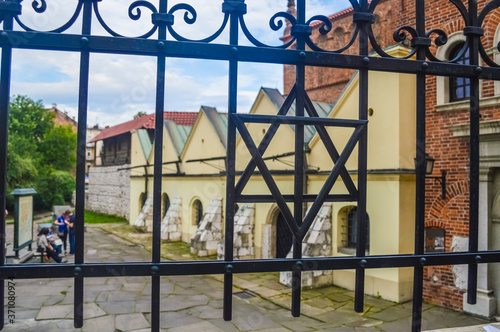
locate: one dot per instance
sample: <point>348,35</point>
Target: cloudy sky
<point>121,86</point>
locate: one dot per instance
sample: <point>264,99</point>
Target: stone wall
<point>244,225</point>
<point>109,191</point>
<point>209,232</point>
<point>144,221</point>
<point>171,226</point>
<point>317,243</point>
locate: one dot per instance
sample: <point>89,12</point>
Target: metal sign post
<point>23,219</point>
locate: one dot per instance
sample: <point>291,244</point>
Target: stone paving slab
<point>477,328</point>
<point>191,303</point>
<point>131,322</point>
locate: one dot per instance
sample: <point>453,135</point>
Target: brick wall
<point>325,84</point>
<point>451,154</point>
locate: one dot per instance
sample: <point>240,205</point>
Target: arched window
<point>352,229</point>
<point>434,239</point>
<point>165,204</point>
<point>142,201</point>
<point>459,86</point>
<point>197,212</point>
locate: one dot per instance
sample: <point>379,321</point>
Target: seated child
<point>44,243</point>
<point>54,240</point>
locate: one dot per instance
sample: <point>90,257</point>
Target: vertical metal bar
<point>157,176</point>
<point>299,163</point>
<point>230,162</point>
<point>474,156</point>
<point>83,97</point>
<point>362,167</point>
<point>418,271</point>
<point>5,76</point>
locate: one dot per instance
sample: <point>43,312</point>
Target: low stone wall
<point>317,243</point>
<point>144,221</point>
<point>209,232</point>
<point>109,191</point>
<point>244,224</point>
<point>171,226</point>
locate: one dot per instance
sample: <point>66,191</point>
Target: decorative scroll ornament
<point>363,17</point>
<point>40,6</point>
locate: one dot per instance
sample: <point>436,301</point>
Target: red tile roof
<point>146,122</point>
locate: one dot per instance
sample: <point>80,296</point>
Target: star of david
<point>299,229</point>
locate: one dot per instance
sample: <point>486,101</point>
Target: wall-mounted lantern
<point>429,168</point>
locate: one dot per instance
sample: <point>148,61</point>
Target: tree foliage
<point>54,148</point>
<point>40,154</point>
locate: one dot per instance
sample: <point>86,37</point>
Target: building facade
<point>194,175</point>
<point>447,113</point>
<point>193,188</point>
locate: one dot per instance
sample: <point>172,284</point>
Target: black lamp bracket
<point>442,180</point>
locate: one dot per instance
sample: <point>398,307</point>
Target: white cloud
<point>120,86</point>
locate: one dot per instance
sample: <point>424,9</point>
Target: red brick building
<point>447,220</point>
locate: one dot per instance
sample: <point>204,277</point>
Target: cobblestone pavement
<point>194,303</point>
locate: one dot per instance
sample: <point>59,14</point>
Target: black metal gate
<point>304,53</point>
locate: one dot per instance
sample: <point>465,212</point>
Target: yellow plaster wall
<point>393,105</point>
<point>203,143</point>
<point>169,155</point>
<point>137,155</point>
<point>407,121</point>
<point>390,208</point>
<point>189,189</point>
<point>136,184</point>
<point>283,141</point>
<point>136,188</point>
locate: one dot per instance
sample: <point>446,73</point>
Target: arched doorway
<point>284,237</point>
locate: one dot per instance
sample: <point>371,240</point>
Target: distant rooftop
<point>146,122</point>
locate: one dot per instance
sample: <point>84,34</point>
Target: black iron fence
<point>162,41</point>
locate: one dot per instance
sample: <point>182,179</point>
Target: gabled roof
<point>146,122</point>
<point>323,110</point>
<point>178,135</point>
<point>219,123</point>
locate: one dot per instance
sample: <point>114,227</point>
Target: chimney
<point>292,11</point>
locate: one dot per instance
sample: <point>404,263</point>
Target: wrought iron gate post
<point>235,9</point>
<point>9,10</point>
<point>473,32</point>
<point>301,30</point>
<point>363,19</point>
<point>83,98</point>
<point>418,271</point>
<point>161,20</point>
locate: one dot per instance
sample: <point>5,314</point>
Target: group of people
<point>52,245</point>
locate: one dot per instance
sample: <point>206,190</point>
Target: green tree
<point>58,148</point>
<point>28,123</point>
<point>40,154</point>
<point>139,114</point>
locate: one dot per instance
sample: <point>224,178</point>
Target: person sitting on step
<point>44,243</point>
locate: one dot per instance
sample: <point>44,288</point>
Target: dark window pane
<point>434,240</point>
<point>459,86</point>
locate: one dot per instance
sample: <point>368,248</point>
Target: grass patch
<point>64,292</point>
<point>101,218</point>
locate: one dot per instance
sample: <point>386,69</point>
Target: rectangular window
<point>435,240</point>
